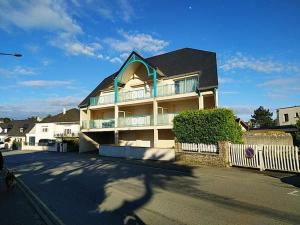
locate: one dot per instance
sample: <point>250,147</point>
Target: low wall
<point>220,159</point>
<point>267,138</point>
<point>38,148</point>
<point>131,152</point>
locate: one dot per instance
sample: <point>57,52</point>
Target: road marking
<point>293,193</point>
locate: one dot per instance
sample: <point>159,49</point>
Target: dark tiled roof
<point>178,62</point>
<point>15,125</point>
<point>71,115</point>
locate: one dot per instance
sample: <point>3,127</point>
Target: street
<point>84,189</point>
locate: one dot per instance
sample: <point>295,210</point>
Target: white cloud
<point>44,83</point>
<point>49,15</point>
<point>136,41</point>
<point>17,71</point>
<point>225,80</point>
<point>126,10</point>
<point>229,92</point>
<point>240,61</point>
<point>32,107</point>
<point>115,60</point>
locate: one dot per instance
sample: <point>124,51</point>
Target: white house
<point>60,126</point>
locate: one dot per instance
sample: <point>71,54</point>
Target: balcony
<point>179,87</point>
<point>61,135</point>
<point>98,124</point>
<point>135,95</point>
<point>102,100</point>
<point>165,119</point>
<point>136,121</point>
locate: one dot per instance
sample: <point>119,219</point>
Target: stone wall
<point>267,138</point>
<point>220,159</point>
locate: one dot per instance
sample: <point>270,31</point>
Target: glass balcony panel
<point>102,100</point>
<point>98,124</point>
<point>136,121</point>
<point>134,95</point>
<point>179,87</point>
<point>166,119</point>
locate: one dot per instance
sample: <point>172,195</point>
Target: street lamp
<point>14,54</point>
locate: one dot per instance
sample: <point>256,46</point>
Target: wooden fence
<point>192,147</point>
<point>271,157</point>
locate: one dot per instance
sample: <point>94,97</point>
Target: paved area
<point>15,208</point>
<point>83,189</point>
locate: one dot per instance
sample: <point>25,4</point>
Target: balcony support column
<point>116,116</point>
<point>154,112</point>
<point>216,97</point>
<point>201,101</point>
<point>155,139</point>
<point>116,137</point>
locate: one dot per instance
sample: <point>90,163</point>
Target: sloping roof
<point>15,125</point>
<point>178,62</point>
<point>71,115</point>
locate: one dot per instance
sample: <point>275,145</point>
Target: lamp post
<point>14,54</point>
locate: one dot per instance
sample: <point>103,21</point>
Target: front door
<point>32,141</point>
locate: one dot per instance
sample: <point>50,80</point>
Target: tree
<point>5,120</point>
<point>262,118</point>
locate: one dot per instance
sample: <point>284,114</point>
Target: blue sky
<point>68,47</point>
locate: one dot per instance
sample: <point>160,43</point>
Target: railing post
<point>260,158</point>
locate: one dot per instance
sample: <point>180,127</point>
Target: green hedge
<point>207,126</point>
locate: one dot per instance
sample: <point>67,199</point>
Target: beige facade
<point>137,107</point>
<point>288,115</point>
<point>145,122</point>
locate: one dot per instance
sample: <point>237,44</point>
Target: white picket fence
<point>271,157</point>
<point>192,147</point>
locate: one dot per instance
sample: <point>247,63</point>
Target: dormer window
<point>21,130</point>
<point>5,130</point>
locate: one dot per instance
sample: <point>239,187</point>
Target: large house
<point>135,105</point>
<point>58,127</point>
<point>288,115</point>
<point>15,130</point>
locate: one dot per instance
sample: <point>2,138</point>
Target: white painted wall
<point>52,129</point>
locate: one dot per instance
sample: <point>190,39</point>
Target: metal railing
<point>166,119</point>
<point>136,121</point>
<point>73,134</point>
<point>98,124</point>
<point>102,100</point>
<point>179,87</point>
<point>135,95</point>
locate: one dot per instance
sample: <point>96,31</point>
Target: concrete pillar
<point>116,116</point>
<point>201,101</point>
<point>223,147</point>
<point>216,97</point>
<point>116,137</point>
<point>155,141</point>
<point>154,112</point>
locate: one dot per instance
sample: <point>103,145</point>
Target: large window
<point>44,129</point>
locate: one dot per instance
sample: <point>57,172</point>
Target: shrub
<point>207,126</point>
<point>16,145</point>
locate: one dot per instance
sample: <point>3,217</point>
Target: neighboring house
<point>288,115</point>
<point>60,126</point>
<point>243,124</point>
<point>16,130</point>
<point>136,105</point>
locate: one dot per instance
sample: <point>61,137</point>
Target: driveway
<point>84,189</point>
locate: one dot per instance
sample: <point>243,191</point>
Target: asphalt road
<point>83,189</point>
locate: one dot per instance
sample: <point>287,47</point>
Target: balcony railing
<point>179,87</point>
<point>102,100</point>
<point>98,124</point>
<point>166,119</point>
<point>135,95</point>
<point>73,134</point>
<point>136,121</point>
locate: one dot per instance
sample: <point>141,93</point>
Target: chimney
<point>64,110</point>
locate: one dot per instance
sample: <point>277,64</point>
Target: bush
<point>16,145</point>
<point>207,126</point>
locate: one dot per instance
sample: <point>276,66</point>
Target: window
<point>286,117</point>
<point>44,129</point>
<point>68,131</point>
<point>21,130</point>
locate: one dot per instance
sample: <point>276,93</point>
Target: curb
<point>45,213</point>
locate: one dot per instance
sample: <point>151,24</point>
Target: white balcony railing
<point>136,121</point>
<point>98,124</point>
<point>73,134</point>
<point>135,95</point>
<point>166,119</point>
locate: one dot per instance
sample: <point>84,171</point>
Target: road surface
<point>84,189</point>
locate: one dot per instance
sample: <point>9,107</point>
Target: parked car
<point>46,142</point>
<point>2,145</point>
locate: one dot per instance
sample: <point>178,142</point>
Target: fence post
<point>260,158</point>
<point>229,156</point>
<point>224,152</point>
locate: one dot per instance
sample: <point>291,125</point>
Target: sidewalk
<point>15,208</point>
